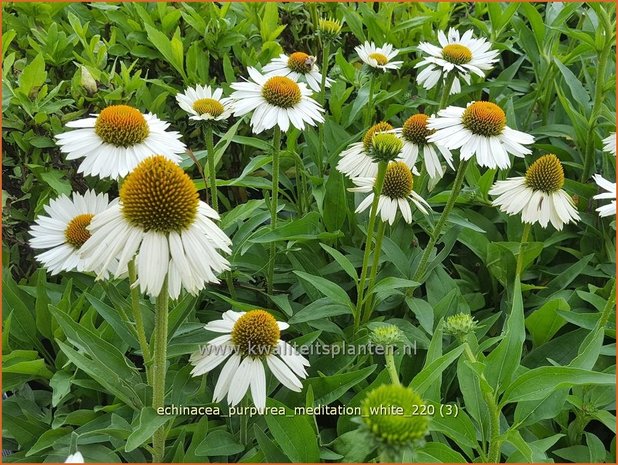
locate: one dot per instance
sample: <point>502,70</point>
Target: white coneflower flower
<point>609,144</point>
<point>460,55</point>
<point>300,67</point>
<point>481,130</point>
<point>205,104</point>
<point>378,57</point>
<point>65,230</point>
<point>355,160</point>
<point>276,100</point>
<point>396,193</point>
<point>414,134</point>
<point>250,340</point>
<point>610,187</point>
<point>77,457</point>
<point>161,220</point>
<point>538,195</point>
<point>116,140</point>
<point>358,160</point>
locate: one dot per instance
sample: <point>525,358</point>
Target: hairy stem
<point>212,174</point>
<point>377,189</point>
<point>274,205</point>
<point>457,184</point>
<point>159,368</point>
<point>139,322</point>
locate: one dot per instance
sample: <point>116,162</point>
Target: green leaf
<point>354,447</point>
<point>422,311</point>
<point>326,287</point>
<point>539,382</point>
<point>33,76</point>
<point>42,315</point>
<point>168,48</point>
<point>502,362</point>
<point>148,422</point>
<point>219,442</point>
<point>112,316</point>
<point>328,389</point>
<point>335,202</point>
<point>294,434</point>
<point>344,262</point>
<point>272,453</point>
<point>544,322</point>
<point>319,309</point>
<point>436,452</point>
<point>433,371</point>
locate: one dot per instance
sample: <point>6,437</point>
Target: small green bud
<point>329,28</point>
<point>459,325</point>
<point>386,336</point>
<point>391,412</point>
<point>385,147</point>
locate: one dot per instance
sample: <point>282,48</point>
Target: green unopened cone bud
<point>392,414</point>
<point>386,336</point>
<point>385,147</point>
<point>459,325</point>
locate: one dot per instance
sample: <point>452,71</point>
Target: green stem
<point>369,111</point>
<point>457,184</point>
<point>324,70</point>
<point>446,91</point>
<point>244,422</point>
<point>139,322</point>
<point>229,280</point>
<point>212,174</point>
<point>299,186</point>
<point>159,368</point>
<point>274,204</point>
<point>377,189</point>
<point>390,365</point>
<point>609,306</point>
<point>598,102</point>
<point>495,443</point>
<point>368,310</point>
<point>520,256</point>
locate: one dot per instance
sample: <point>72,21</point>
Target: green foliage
<point>540,361</point>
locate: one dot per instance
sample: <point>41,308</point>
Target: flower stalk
<point>159,368</point>
<point>389,355</point>
<point>274,205</point>
<point>368,309</point>
<point>139,322</point>
<point>212,174</point>
<point>522,246</point>
<point>369,111</point>
<point>446,90</point>
<point>370,227</point>
<point>457,184</point>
